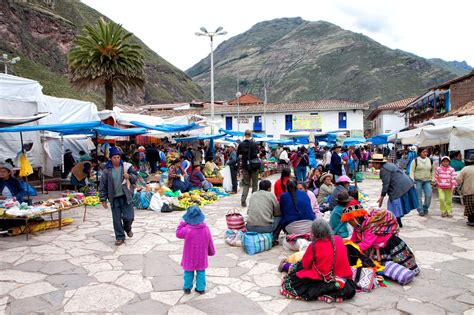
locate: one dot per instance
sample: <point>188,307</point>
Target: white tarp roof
<point>462,138</point>
<point>443,131</point>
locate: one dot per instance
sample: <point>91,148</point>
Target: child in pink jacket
<point>445,180</point>
<point>198,245</point>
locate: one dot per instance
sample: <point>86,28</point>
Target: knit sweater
<point>445,177</point>
<point>198,245</point>
<point>277,187</point>
<point>263,207</point>
<point>324,258</point>
<point>324,191</point>
<point>422,169</point>
<point>466,178</point>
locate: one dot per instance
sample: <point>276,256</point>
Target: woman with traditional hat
<point>10,186</point>
<point>399,187</point>
<point>326,188</point>
<point>339,227</point>
<point>323,273</point>
<point>376,234</point>
<point>336,162</point>
<point>342,184</point>
<point>466,179</point>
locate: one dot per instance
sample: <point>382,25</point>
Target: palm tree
<point>102,56</point>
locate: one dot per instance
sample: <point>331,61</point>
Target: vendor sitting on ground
<point>343,183</point>
<point>326,189</point>
<point>312,198</point>
<point>197,179</point>
<point>324,272</point>
<point>210,168</point>
<point>343,201</point>
<point>82,171</point>
<point>264,211</point>
<point>280,184</point>
<point>376,234</point>
<point>295,205</point>
<point>10,186</point>
<point>176,177</point>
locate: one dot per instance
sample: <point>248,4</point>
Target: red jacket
<point>277,187</point>
<point>324,258</point>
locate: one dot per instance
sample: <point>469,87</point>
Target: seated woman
<point>340,228</point>
<point>295,205</point>
<point>324,272</point>
<point>313,183</point>
<point>176,177</point>
<point>376,234</point>
<point>280,184</point>
<point>312,198</point>
<point>326,189</point>
<point>210,168</point>
<point>197,179</point>
<point>343,183</point>
<point>10,186</point>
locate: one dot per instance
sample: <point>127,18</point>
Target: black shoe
<point>243,204</point>
<point>119,242</point>
<point>130,233</point>
<point>187,291</point>
<point>200,292</point>
<point>421,214</point>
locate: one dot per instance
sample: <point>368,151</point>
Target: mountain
<point>298,60</point>
<point>459,67</point>
<point>41,32</point>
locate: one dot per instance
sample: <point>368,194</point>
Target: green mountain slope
<point>41,33</point>
<point>299,60</point>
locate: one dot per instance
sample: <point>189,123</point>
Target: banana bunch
<point>92,200</point>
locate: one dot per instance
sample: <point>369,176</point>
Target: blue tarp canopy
<point>84,128</point>
<point>239,133</point>
<point>281,141</point>
<point>208,137</point>
<point>168,127</point>
<point>379,139</point>
<point>354,141</point>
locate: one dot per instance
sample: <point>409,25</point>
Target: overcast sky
<point>430,29</point>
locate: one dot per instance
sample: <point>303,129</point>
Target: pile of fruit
<point>92,200</point>
<point>171,157</point>
<point>196,197</point>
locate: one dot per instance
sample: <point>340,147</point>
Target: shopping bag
<point>235,221</point>
<point>141,199</point>
<point>234,238</point>
<point>156,203</point>
<point>364,278</point>
<point>398,273</point>
<point>227,183</point>
<point>254,243</point>
<point>25,166</point>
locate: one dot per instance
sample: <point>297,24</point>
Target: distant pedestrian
<point>445,180</point>
<point>248,152</point>
<point>336,162</point>
<point>233,164</point>
<point>422,172</point>
<point>466,180</point>
<point>198,245</point>
<point>153,158</point>
<point>116,187</point>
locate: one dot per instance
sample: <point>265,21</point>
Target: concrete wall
<point>274,124</point>
<point>390,122</point>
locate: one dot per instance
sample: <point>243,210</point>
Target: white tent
<point>20,97</point>
<point>442,133</point>
<point>462,137</point>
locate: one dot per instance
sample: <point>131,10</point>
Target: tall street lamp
<point>217,32</point>
<point>6,61</point>
<point>238,95</point>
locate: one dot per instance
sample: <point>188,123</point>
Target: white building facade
<point>387,118</point>
<point>275,119</point>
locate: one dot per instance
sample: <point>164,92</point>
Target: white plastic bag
<point>227,183</point>
<point>156,203</point>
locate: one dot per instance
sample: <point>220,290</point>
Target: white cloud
<point>429,29</point>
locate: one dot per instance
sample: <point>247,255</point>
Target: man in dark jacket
<point>116,187</point>
<point>248,151</point>
<point>336,162</point>
<point>153,157</point>
<point>233,165</point>
<point>69,163</point>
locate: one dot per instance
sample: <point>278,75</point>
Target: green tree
<point>102,56</point>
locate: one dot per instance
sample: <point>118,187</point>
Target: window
<point>342,120</point>
<point>288,122</point>
<point>257,125</point>
<point>228,123</point>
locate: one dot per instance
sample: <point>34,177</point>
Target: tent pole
<point>26,177</point>
<point>97,156</point>
<point>62,154</point>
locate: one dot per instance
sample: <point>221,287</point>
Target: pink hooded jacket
<point>445,177</point>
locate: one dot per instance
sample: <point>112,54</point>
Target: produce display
<point>196,197</point>
<point>63,203</point>
<point>12,208</point>
<point>92,200</point>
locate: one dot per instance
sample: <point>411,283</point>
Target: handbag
<point>364,278</point>
<point>253,164</point>
<point>235,221</point>
<point>234,238</point>
<point>254,243</point>
<point>398,273</point>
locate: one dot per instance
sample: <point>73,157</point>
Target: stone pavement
<point>79,270</point>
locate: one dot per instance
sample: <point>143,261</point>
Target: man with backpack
<point>248,152</point>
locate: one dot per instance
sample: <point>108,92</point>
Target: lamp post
<point>217,32</point>
<point>238,95</point>
<point>6,61</point>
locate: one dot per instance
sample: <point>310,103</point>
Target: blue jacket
<point>15,188</point>
<point>289,213</point>
<point>336,164</point>
<point>106,186</point>
<point>338,227</point>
